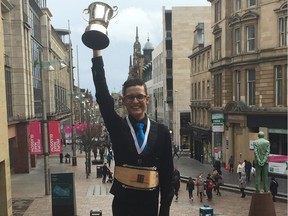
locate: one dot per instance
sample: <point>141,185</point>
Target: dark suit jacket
<point>158,151</point>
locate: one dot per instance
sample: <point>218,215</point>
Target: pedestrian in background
<point>248,167</point>
<point>209,187</point>
<point>231,164</point>
<point>105,172</point>
<point>239,169</point>
<point>273,188</point>
<point>200,186</point>
<point>61,157</point>
<point>190,187</point>
<point>176,182</point>
<point>218,181</point>
<point>175,151</point>
<point>109,158</point>
<point>242,184</point>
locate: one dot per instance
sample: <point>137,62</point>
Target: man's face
<point>136,101</point>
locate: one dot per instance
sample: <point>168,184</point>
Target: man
<point>105,172</point>
<point>261,153</point>
<point>175,150</point>
<point>231,164</point>
<point>273,188</point>
<point>176,182</point>
<point>141,171</point>
<point>248,167</point>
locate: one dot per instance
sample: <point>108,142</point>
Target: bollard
<point>95,213</point>
<point>99,171</point>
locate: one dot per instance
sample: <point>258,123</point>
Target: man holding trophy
<point>142,148</point>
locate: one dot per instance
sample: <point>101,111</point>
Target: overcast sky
<point>147,15</point>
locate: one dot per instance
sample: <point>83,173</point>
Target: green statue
<point>261,153</point>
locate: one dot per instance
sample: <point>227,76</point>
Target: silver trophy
<point>96,35</point>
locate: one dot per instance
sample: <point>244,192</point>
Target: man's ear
<point>123,99</point>
<point>148,99</point>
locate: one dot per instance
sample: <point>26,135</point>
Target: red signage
<point>55,146</point>
<point>35,138</point>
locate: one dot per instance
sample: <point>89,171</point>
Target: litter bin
<point>99,171</point>
<point>95,213</point>
<point>206,211</point>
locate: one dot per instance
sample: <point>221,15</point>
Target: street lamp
<point>71,83</point>
<point>48,65</point>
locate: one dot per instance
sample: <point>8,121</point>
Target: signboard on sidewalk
<point>63,194</point>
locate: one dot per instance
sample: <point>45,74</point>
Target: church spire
<point>137,37</point>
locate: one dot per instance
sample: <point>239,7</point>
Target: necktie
<point>140,133</point>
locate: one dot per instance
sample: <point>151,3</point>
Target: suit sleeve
<point>103,97</point>
<point>166,172</point>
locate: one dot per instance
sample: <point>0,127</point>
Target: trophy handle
<point>115,11</point>
<point>85,11</point>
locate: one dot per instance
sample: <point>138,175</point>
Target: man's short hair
<point>133,82</point>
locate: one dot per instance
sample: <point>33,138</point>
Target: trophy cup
<point>95,36</point>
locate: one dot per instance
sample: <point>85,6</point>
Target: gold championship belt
<point>134,177</point>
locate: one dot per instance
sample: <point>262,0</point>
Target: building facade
<point>5,175</point>
<point>178,26</point>
<point>200,125</point>
<point>249,76</point>
<point>38,64</point>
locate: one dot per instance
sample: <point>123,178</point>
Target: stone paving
<point>29,197</point>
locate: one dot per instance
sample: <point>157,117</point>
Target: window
<point>217,47</point>
<point>217,10</point>
<point>208,59</point>
<point>250,38</point>
<point>218,90</point>
<point>251,3</point>
<point>237,5</point>
<point>283,31</point>
<point>278,85</point>
<point>238,84</point>
<point>237,41</point>
<point>208,89</point>
<point>199,91</point>
<point>8,84</point>
<point>203,89</point>
<point>251,86</point>
<point>203,60</point>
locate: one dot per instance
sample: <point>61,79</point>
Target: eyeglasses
<point>139,97</point>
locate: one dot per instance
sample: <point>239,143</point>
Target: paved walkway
<point>29,197</point>
<point>191,167</point>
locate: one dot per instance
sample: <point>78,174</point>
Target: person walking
<point>273,188</point>
<point>109,158</point>
<point>239,169</point>
<point>231,164</point>
<point>242,184</point>
<point>190,187</point>
<point>105,172</point>
<point>200,186</point>
<point>175,151</point>
<point>176,182</point>
<point>248,167</point>
<point>141,147</point>
<point>218,181</point>
<point>209,187</point>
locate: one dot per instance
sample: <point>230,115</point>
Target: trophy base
<point>95,40</point>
